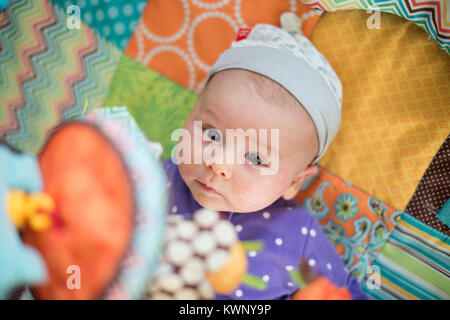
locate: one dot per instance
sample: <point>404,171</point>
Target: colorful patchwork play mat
<point>383,188</point>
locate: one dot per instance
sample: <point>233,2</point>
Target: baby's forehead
<point>244,99</point>
<point>253,85</point>
<point>245,94</point>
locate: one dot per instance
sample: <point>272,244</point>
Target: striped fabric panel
<point>414,263</point>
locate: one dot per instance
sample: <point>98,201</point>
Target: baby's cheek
<point>255,196</point>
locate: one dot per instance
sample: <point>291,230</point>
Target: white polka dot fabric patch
<point>433,190</point>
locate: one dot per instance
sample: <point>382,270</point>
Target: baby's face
<point>231,102</point>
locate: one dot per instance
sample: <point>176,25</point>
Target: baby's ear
<point>310,170</point>
<point>293,189</point>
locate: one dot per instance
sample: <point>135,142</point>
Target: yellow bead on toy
<point>32,209</point>
<point>17,201</point>
<point>40,222</point>
<point>42,202</point>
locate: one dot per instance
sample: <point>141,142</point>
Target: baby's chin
<point>221,204</point>
<point>210,201</point>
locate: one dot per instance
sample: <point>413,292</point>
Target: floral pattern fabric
<point>356,223</point>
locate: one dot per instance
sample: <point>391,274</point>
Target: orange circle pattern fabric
<point>181,39</point>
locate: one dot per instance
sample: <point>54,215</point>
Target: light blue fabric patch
<point>20,264</point>
<point>115,20</point>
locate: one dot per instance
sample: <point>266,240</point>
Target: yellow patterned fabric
<point>396,103</point>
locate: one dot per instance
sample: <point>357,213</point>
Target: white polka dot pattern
<point>433,190</point>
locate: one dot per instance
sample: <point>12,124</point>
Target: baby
<point>273,80</point>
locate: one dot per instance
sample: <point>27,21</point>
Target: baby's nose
<point>221,169</point>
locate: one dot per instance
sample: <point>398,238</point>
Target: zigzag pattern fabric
<point>48,72</point>
<point>431,15</point>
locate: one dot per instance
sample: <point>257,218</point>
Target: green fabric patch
<point>158,104</point>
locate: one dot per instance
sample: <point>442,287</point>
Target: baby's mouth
<point>206,187</point>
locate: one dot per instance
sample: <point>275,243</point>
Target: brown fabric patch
<point>433,190</point>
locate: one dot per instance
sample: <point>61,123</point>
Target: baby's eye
<point>255,159</point>
<point>213,134</point>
